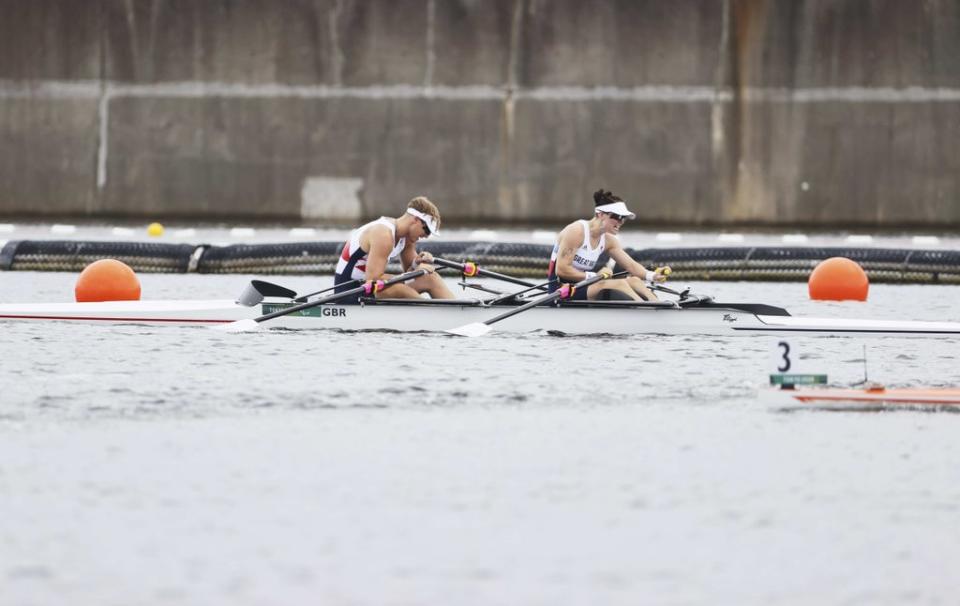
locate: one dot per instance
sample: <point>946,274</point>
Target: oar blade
<point>245,325</point>
<point>476,329</point>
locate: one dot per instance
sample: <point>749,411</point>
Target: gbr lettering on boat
<point>326,311</point>
<point>333,311</point>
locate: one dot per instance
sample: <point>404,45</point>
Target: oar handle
<point>340,295</point>
<point>470,268</point>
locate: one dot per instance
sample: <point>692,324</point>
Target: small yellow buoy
<point>838,279</point>
<point>155,229</point>
<point>107,280</point>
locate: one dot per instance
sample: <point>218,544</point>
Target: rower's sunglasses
<point>617,218</point>
<point>426,228</point>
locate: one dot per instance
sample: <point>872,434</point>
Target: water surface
<point>177,465</point>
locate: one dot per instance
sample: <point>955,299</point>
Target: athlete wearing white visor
<point>579,246</point>
<point>370,247</point>
<point>618,208</point>
<point>429,222</point>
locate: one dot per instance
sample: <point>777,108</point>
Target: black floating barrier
<point>7,253</point>
<point>73,255</point>
<point>285,258</point>
<point>767,263</point>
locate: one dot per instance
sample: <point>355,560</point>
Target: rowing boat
<point>691,315</point>
<point>874,397</point>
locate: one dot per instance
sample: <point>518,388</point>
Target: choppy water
<point>187,466</point>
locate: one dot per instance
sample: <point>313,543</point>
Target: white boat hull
<point>609,318</point>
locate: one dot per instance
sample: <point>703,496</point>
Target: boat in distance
<point>695,315</point>
<point>869,398</point>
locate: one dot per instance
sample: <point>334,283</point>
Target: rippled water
<point>184,465</point>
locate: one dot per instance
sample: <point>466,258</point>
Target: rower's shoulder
<point>378,233</point>
<point>575,228</point>
<point>380,229</point>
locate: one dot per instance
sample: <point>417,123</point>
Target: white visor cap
<point>617,208</point>
<point>430,221</point>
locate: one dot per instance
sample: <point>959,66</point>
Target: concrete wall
<point>819,112</point>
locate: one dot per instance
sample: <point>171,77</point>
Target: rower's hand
<point>372,287</point>
<point>605,273</point>
<point>659,275</point>
<point>426,267</point>
<point>423,257</point>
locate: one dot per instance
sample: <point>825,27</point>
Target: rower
<point>579,246</point>
<point>370,247</point>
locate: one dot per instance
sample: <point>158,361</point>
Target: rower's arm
<point>569,243</point>
<point>407,256</point>
<point>625,261</point>
<point>380,244</point>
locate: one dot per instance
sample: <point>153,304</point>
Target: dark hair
<point>601,197</point>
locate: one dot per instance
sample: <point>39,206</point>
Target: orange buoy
<point>838,279</point>
<point>107,280</point>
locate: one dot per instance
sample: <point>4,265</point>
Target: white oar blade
<point>476,329</point>
<point>246,325</point>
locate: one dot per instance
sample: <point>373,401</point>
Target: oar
<point>478,329</point>
<point>303,298</point>
<point>513,295</point>
<point>252,324</point>
<point>471,269</point>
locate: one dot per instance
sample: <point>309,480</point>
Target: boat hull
<point>428,316</point>
<point>826,398</point>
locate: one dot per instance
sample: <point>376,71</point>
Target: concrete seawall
<point>815,112</point>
